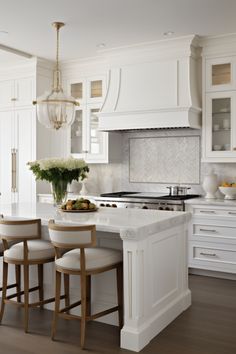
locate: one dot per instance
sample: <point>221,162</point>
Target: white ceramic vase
<point>83,190</point>
<point>210,185</point>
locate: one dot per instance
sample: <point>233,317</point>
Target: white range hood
<point>153,86</point>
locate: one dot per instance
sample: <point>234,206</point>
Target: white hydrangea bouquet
<point>59,172</point>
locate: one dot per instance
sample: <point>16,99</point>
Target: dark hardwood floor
<point>207,327</point>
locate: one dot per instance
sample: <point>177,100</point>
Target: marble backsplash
<point>105,178</point>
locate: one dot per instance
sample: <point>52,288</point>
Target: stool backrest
<point>13,229</point>
<point>72,236</point>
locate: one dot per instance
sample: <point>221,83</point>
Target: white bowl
<point>229,192</point>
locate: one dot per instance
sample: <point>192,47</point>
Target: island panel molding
<point>149,240</point>
<point>162,154</point>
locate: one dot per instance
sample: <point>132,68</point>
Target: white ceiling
<point>113,22</point>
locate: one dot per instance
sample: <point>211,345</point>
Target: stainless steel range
<point>147,200</point>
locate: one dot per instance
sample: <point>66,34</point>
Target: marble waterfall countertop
<point>129,223</point>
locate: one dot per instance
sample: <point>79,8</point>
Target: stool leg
<point>67,290</point>
<point>26,296</point>
<point>4,288</point>
<point>18,282</point>
<point>119,278</point>
<point>83,310</point>
<point>88,295</point>
<point>57,304</point>
<point>40,283</point>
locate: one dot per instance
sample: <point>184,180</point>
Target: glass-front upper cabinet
<point>88,90</point>
<point>97,140</point>
<point>77,133</point>
<point>86,141</point>
<point>220,74</point>
<point>220,124</point>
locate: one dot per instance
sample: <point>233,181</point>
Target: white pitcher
<point>210,185</point>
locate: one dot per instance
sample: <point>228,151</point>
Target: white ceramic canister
<point>210,185</point>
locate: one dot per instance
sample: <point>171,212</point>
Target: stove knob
<point>160,208</point>
<point>114,206</point>
<point>107,205</point>
<point>167,208</point>
<point>102,205</point>
<point>172,209</point>
<point>144,207</point>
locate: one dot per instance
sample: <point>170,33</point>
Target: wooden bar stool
<point>84,260</point>
<point>29,250</point>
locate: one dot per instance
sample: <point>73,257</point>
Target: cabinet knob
<point>234,148</point>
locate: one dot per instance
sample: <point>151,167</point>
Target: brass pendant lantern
<point>55,109</point>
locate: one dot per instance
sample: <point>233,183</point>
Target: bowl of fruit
<point>228,189</point>
<point>78,205</point>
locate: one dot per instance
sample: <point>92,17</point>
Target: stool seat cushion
<point>95,258</point>
<point>38,249</point>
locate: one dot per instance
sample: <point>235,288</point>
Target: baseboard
<point>137,340</point>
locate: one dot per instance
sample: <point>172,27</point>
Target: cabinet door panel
<point>24,92</point>
<point>220,125</point>
<point>220,74</point>
<point>6,125</point>
<point>6,93</point>
<point>25,153</point>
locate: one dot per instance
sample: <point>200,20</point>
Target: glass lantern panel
<point>96,89</point>
<point>77,133</point>
<point>221,124</point>
<point>95,134</point>
<point>77,90</point>
<point>221,74</point>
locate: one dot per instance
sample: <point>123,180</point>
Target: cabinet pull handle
<point>14,99</point>
<point>234,148</point>
<point>207,211</point>
<point>232,213</point>
<point>13,170</point>
<point>208,254</point>
<point>208,230</point>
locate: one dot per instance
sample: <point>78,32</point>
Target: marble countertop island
<point>129,223</point>
<point>154,245</point>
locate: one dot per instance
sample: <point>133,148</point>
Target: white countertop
<point>216,202</point>
<point>129,223</point>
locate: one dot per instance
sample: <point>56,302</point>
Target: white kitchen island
<point>154,247</point>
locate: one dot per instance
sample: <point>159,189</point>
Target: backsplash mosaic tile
<point>165,159</point>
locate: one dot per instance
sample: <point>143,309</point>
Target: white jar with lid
<point>210,185</point>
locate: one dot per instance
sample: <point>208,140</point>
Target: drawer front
<point>210,256</point>
<point>214,254</point>
<point>215,212</point>
<point>214,231</point>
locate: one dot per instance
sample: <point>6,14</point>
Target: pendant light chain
<point>57,59</point>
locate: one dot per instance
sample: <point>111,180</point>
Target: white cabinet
<point>17,141</point>
<point>85,140</point>
<point>219,101</point>
<point>220,126</point>
<point>19,92</point>
<point>212,238</point>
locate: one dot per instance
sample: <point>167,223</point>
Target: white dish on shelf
<point>217,147</point>
<point>229,192</point>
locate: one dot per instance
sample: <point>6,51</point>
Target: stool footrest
<point>75,304</point>
<point>88,318</point>
<point>44,302</point>
<point>22,293</point>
